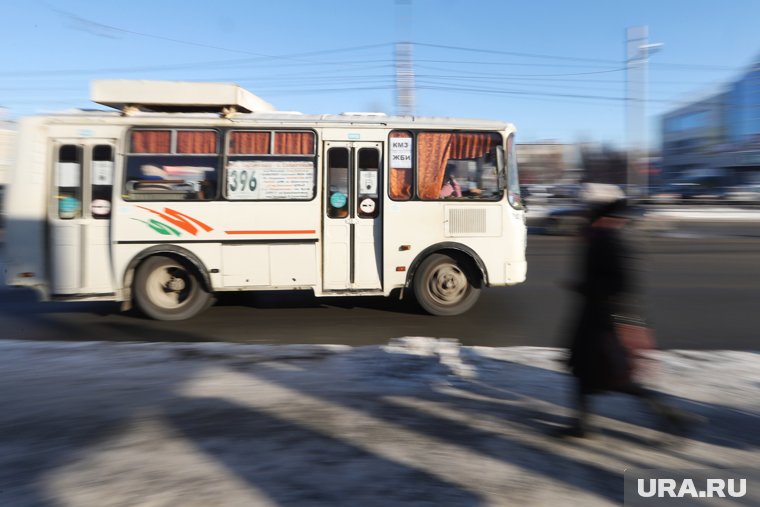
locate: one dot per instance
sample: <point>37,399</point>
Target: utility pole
<point>405,87</point>
<point>638,50</point>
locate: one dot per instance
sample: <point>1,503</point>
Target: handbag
<point>637,339</point>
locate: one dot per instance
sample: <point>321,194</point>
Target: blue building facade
<point>743,108</point>
<point>718,134</point>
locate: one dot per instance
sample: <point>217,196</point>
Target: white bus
<point>187,190</point>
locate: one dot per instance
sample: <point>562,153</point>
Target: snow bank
<point>419,421</point>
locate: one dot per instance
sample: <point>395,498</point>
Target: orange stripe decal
<point>271,232</point>
<point>180,220</point>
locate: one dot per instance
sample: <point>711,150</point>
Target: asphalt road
<point>702,292</point>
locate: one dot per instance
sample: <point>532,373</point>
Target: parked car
<point>665,194</point>
<point>690,188</point>
<point>564,220</point>
<point>567,190</point>
<point>537,193</point>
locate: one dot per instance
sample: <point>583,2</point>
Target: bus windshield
<point>513,182</point>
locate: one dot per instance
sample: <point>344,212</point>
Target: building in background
<point>7,147</point>
<point>603,164</point>
<point>742,126</point>
<point>547,163</point>
<point>7,138</point>
<point>716,136</point>
<point>692,135</point>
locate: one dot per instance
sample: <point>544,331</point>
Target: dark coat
<point>597,358</point>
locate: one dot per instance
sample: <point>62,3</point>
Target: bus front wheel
<point>167,289</point>
<point>443,286</point>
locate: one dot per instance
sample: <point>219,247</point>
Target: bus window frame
<point>415,167</point>
<point>226,156</point>
<point>129,155</point>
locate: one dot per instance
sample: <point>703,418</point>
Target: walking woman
<point>598,359</point>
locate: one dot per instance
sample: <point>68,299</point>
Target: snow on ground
<point>705,213</point>
<point>417,422</point>
<point>680,213</point>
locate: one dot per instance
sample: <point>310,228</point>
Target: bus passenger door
<point>352,255</point>
<point>80,217</point>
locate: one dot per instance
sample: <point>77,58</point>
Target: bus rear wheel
<point>167,289</point>
<point>443,286</point>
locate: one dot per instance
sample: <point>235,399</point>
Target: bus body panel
<point>406,240</point>
<point>25,243</point>
<point>244,249</point>
<point>359,133</point>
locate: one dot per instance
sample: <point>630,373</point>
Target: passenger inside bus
<point>450,187</point>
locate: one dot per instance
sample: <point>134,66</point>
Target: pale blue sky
<point>551,67</point>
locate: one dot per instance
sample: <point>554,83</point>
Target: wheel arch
<point>457,251</point>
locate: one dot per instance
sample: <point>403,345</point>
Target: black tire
<point>444,286</point>
<point>167,289</point>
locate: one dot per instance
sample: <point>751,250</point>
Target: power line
<point>103,26</point>
<point>496,91</point>
<point>514,53</point>
<point>195,65</point>
<point>297,56</point>
<point>571,74</point>
<point>543,77</point>
<point>490,63</point>
<point>578,59</point>
<point>467,81</point>
<point>297,59</point>
<point>433,82</point>
<point>89,24</point>
<point>278,91</point>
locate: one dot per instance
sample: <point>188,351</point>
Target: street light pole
<point>638,50</point>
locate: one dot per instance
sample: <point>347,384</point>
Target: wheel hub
<point>175,284</point>
<point>167,286</point>
<point>448,284</point>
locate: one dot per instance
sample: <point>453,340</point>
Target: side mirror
<point>501,167</point>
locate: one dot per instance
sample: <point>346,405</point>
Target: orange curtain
<point>401,179</point>
<point>294,143</point>
<point>193,141</point>
<point>433,152</point>
<point>249,143</point>
<point>435,149</point>
<point>473,145</point>
<point>151,141</point>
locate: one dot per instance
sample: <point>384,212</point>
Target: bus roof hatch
<point>176,96</point>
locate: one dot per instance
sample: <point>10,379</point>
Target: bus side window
<point>337,181</point>
<point>367,192</point>
<point>172,165</point>
<point>102,181</point>
<point>69,181</point>
<point>457,165</point>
